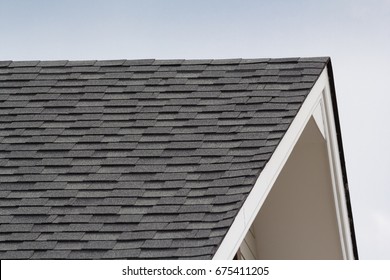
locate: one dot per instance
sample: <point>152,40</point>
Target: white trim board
<point>317,104</point>
<point>337,177</point>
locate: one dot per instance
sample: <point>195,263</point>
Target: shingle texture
<point>137,158</point>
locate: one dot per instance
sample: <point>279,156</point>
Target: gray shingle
<point>70,245</point>
<point>57,63</point>
<point>157,253</point>
<point>195,208</point>
<point>191,243</point>
<point>158,244</point>
<point>122,254</point>
<point>118,62</point>
<point>133,210</point>
<point>20,254</point>
<point>139,62</point>
<point>8,246</point>
<point>37,245</point>
<point>137,158</point>
<point>149,218</point>
<point>164,209</point>
<point>122,245</point>
<point>54,254</point>
<point>224,207</point>
<point>137,235</point>
<point>118,227</point>
<point>174,234</point>
<point>84,227</point>
<point>177,226</point>
<point>195,251</point>
<point>87,254</point>
<point>15,227</point>
<point>20,236</point>
<point>99,245</point>
<point>30,63</point>
<point>104,210</point>
<point>5,63</point>
<point>67,236</point>
<point>129,218</point>
<point>101,236</point>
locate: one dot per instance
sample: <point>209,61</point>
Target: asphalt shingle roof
<point>137,158</point>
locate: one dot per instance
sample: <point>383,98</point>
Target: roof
<point>137,158</point>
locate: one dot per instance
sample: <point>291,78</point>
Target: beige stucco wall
<point>298,219</point>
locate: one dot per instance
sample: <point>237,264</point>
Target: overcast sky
<point>355,33</point>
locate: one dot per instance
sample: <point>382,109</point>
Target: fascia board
<point>335,165</point>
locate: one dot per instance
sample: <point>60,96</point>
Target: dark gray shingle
<point>137,158</point>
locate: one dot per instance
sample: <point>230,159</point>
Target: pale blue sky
<point>356,34</point>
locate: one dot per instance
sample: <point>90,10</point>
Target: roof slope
<point>137,158</point>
